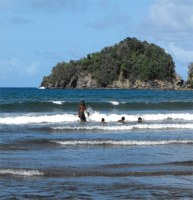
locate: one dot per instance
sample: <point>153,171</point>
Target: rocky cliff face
<point>85,80</point>
<point>176,83</point>
<point>128,64</point>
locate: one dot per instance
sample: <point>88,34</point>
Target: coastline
<point>110,88</point>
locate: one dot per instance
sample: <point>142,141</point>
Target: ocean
<point>47,153</point>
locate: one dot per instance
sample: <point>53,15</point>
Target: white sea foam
<point>42,88</point>
<point>126,127</point>
<point>58,102</point>
<point>94,117</point>
<point>122,142</point>
<point>21,172</point>
<point>115,103</point>
<point>146,117</point>
<point>25,119</point>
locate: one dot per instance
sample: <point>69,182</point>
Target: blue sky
<point>37,34</point>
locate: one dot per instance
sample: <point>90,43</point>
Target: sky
<point>37,34</point>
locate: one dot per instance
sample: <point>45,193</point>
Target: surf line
<point>122,142</point>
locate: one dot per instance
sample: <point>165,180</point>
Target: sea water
<point>47,153</point>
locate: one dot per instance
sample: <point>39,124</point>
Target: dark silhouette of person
<point>81,111</point>
<point>122,120</point>
<point>103,121</point>
<point>139,119</point>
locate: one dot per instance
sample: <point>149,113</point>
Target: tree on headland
<point>190,75</point>
<point>130,60</point>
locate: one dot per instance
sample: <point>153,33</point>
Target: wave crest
<point>122,142</point>
<point>21,172</point>
<point>126,127</point>
<point>94,117</point>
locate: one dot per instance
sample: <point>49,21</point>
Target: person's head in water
<point>139,119</point>
<point>122,120</point>
<point>103,120</point>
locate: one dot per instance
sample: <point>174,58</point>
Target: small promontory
<point>129,64</point>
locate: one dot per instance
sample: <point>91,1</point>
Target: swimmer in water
<point>103,121</point>
<point>122,120</point>
<point>139,119</point>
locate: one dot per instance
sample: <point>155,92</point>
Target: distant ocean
<point>47,153</point>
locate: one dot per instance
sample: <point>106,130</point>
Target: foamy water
<point>123,142</point>
<point>47,153</point>
<point>20,172</point>
<point>58,102</point>
<point>95,117</point>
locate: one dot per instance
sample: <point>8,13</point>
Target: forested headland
<point>128,64</point>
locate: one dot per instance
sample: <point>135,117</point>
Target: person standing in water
<point>81,110</point>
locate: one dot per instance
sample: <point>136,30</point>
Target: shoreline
<point>99,88</point>
<point>109,88</point>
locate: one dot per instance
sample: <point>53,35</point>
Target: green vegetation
<point>190,75</point>
<point>130,59</point>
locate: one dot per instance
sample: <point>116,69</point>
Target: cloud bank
<point>170,24</point>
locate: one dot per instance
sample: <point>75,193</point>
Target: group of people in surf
<point>82,110</point>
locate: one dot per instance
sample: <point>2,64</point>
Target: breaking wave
<point>126,127</point>
<point>20,172</point>
<point>26,119</point>
<point>94,117</point>
<point>115,103</point>
<point>122,142</point>
<point>58,102</point>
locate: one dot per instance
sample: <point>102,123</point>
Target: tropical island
<point>128,64</point>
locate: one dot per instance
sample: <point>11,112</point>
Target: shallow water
<point>47,153</point>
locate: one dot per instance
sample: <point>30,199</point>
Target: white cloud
<point>172,14</point>
<point>181,55</point>
<point>170,20</point>
<point>169,23</point>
